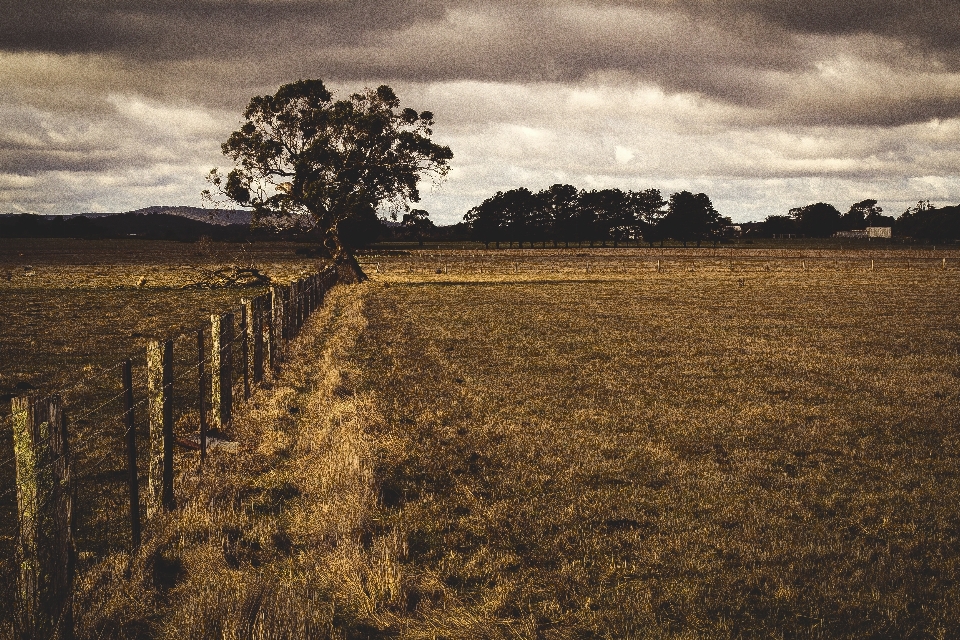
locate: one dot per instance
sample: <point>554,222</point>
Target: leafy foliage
<point>563,214</point>
<point>933,224</point>
<point>819,220</point>
<point>303,159</point>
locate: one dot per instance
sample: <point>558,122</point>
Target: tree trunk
<point>348,269</point>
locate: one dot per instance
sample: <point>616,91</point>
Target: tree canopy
<point>564,214</point>
<point>305,159</point>
<point>818,220</point>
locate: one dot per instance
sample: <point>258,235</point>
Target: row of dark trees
<point>821,220</point>
<point>564,214</point>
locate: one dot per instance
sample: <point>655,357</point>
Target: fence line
<point>63,498</point>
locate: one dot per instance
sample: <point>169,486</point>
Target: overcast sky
<point>112,105</point>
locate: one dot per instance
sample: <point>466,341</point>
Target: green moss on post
<point>45,511</point>
<point>160,393</point>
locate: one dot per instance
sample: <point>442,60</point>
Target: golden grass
<point>276,540</point>
<point>732,447</point>
<point>705,452</point>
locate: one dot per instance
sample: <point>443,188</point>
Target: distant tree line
<point>566,215</point>
<point>822,220</point>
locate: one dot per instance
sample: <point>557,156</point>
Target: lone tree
<point>303,159</point>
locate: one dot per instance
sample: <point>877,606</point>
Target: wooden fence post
<point>222,361</point>
<point>285,316</point>
<point>256,328</point>
<point>133,479</point>
<point>160,392</point>
<point>276,327</point>
<point>297,305</point>
<point>45,511</point>
<point>270,330</point>
<point>246,313</point>
<point>304,298</point>
<point>290,303</point>
<point>308,297</point>
<point>201,392</point>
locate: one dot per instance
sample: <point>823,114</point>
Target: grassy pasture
<point>569,444</point>
<point>732,447</point>
<point>71,317</point>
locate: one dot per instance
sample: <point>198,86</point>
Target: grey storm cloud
<point>110,102</point>
<point>751,53</point>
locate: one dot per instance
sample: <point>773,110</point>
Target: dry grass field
<point>723,449</point>
<point>72,311</point>
<point>549,444</point>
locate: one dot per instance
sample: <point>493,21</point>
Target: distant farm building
<point>866,234</point>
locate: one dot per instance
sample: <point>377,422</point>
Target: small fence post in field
<point>245,321</point>
<point>943,265</point>
<point>871,265</point>
<point>658,266</point>
<point>202,393</point>
<point>256,328</point>
<point>45,511</point>
<point>160,392</point>
<point>133,480</point>
<point>222,367</point>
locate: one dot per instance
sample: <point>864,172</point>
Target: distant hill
<point>153,226</point>
<point>188,224</point>
<point>211,216</point>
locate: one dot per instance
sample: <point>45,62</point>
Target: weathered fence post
<point>201,391</point>
<point>293,308</point>
<point>160,392</point>
<point>246,312</point>
<point>311,295</point>
<point>283,306</point>
<point>45,510</point>
<point>221,365</point>
<point>276,327</point>
<point>256,329</point>
<point>298,306</point>
<point>133,479</point>
<point>270,333</point>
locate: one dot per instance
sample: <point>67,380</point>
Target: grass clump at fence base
<point>686,454</point>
